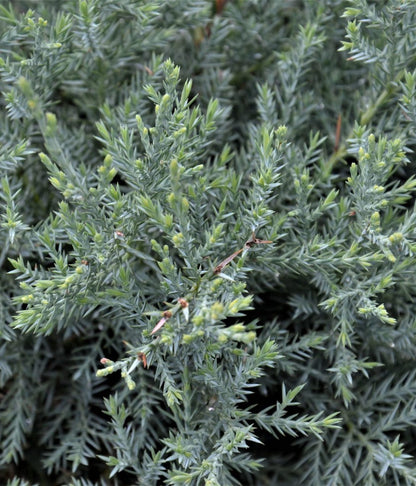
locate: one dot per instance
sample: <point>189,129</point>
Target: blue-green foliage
<point>208,242</point>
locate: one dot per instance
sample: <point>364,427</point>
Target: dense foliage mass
<point>208,242</point>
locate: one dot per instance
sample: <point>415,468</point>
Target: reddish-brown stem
<point>248,244</point>
<point>225,262</point>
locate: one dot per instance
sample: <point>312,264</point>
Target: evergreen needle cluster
<point>208,242</point>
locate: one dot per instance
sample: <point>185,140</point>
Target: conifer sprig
<point>208,242</point>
